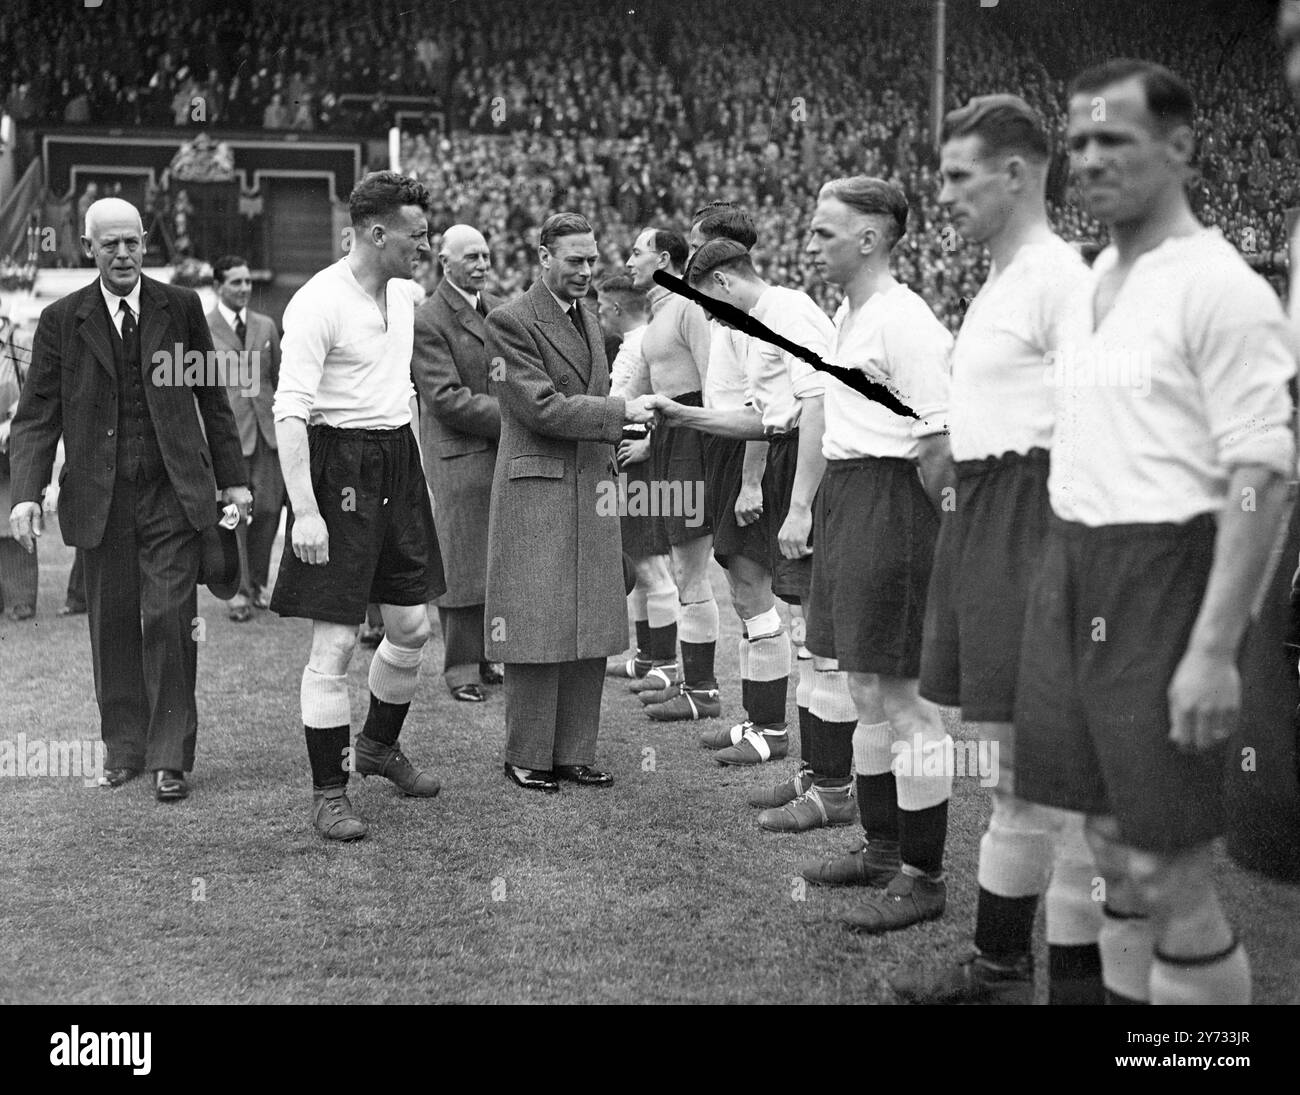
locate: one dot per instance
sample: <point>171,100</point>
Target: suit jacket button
<point>564,380</point>
<point>110,433</point>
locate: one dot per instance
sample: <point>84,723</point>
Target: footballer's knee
<point>331,647</point>
<point>406,625</point>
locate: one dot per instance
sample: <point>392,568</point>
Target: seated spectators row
<point>638,115</point>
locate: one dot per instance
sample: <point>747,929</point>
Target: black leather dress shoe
<point>468,693</point>
<point>169,786</point>
<point>115,777</point>
<point>583,774</point>
<point>531,779</point>
<point>489,673</point>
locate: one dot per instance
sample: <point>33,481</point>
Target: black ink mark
<point>1228,46</point>
<point>747,324</point>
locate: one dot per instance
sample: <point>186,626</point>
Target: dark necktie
<point>577,322</point>
<point>241,328</point>
<point>480,307</point>
<point>130,333</point>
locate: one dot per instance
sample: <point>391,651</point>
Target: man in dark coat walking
<point>555,595</point>
<point>119,369</point>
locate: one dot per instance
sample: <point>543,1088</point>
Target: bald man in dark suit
<point>148,447</point>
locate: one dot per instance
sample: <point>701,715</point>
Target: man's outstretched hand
<point>640,409</point>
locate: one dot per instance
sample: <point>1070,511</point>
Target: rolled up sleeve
<point>309,332</point>
<point>1243,354</point>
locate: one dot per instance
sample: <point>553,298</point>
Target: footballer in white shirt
<point>993,165</point>
<point>767,405</point>
<point>875,524</point>
<point>1172,449</point>
<point>361,527</point>
<point>734,466</point>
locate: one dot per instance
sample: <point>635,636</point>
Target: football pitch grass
<point>660,889</point>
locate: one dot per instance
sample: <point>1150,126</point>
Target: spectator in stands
<point>276,114</point>
<point>715,96</point>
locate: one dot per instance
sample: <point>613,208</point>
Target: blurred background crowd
<point>638,116</point>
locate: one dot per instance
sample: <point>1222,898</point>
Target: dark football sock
<point>810,735</point>
<point>766,702</point>
<point>1074,974</point>
<point>878,806</point>
<point>834,753</point>
<point>643,638</point>
<point>1004,926</point>
<point>921,837</point>
<point>325,750</point>
<point>697,665</point>
<point>384,722</point>
<point>662,644</point>
<point>805,716</point>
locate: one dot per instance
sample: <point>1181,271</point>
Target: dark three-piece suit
<point>144,461</point>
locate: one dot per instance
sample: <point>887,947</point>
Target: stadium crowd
<point>636,116</point>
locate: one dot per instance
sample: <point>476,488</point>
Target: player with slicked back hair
<point>624,311</point>
<point>676,350</point>
<point>875,525</point>
<point>993,165</point>
<point>1171,409</point>
<point>734,468</point>
<point>361,528</point>
<point>779,393</point>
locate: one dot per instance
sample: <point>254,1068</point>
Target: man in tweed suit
<point>459,427</point>
<point>237,328</point>
<point>555,595</point>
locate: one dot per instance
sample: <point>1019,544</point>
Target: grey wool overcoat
<point>555,565</point>
<point>459,427</point>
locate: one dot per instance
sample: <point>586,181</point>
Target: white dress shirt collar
<point>114,303</point>
<point>471,297</point>
<point>232,317</point>
<point>564,307</point>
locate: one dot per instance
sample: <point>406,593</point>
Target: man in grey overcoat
<point>460,423</point>
<point>555,595</point>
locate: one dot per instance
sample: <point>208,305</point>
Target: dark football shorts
<point>988,553</point>
<point>371,491</point>
<point>791,578</point>
<point>875,532</point>
<point>724,462</point>
<point>1110,614</point>
<point>676,457</point>
<point>643,534</point>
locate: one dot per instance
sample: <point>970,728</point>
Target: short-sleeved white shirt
<point>775,378</point>
<point>1001,400</point>
<point>724,386</point>
<point>895,340</point>
<point>1184,379</point>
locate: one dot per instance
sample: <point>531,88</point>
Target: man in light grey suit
<point>555,595</point>
<point>459,427</point>
<point>251,388</point>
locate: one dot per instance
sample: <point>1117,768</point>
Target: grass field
<point>659,889</point>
